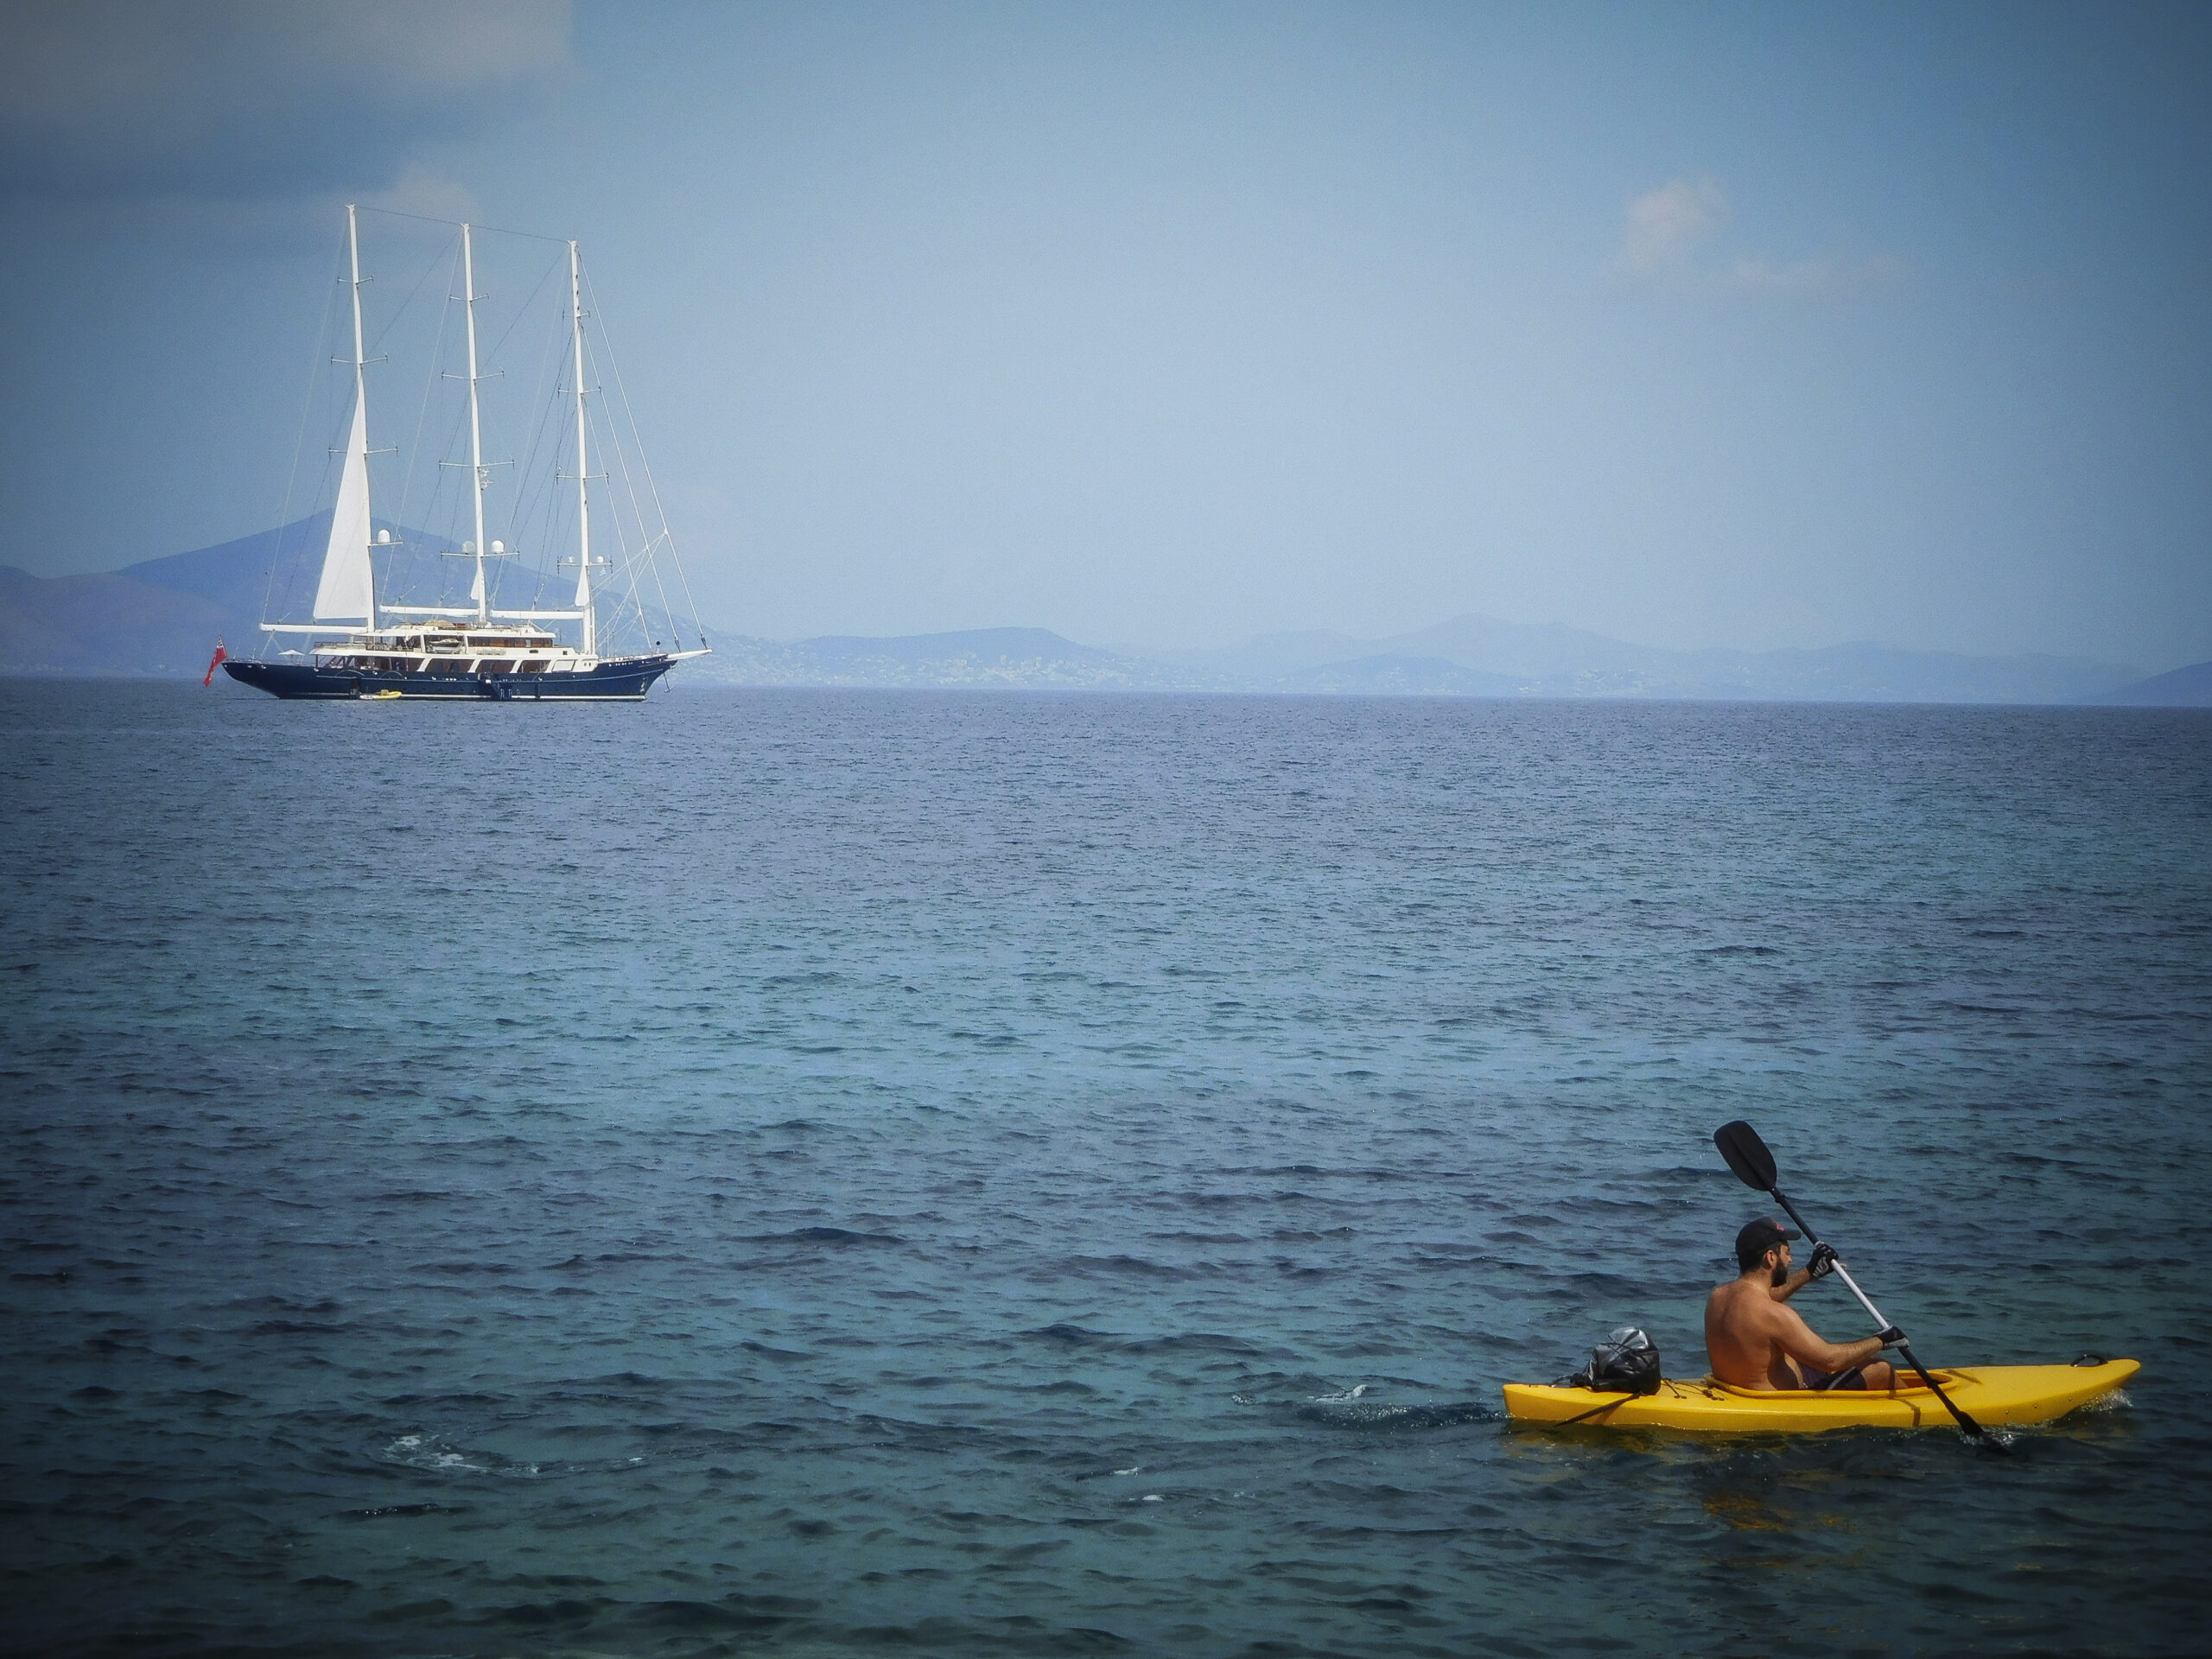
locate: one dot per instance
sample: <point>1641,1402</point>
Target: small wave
<point>1368,1415</point>
<point>435,1455</point>
<point>1129,1264</point>
<point>766,1352</point>
<point>1207,1342</point>
<point>438,1457</point>
<point>823,1236</point>
<point>385,1510</point>
<point>753,1615</point>
<point>465,1267</point>
<point>1072,1335</point>
<point>1353,1409</point>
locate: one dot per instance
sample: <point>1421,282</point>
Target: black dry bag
<point>1625,1363</point>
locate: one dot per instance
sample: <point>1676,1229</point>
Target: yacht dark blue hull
<point>626,680</point>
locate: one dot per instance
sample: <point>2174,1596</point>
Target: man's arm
<point>1790,1286</point>
<point>1803,1344</point>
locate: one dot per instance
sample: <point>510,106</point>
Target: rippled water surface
<point>843,1173</point>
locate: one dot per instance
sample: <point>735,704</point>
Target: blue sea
<point>841,1174</point>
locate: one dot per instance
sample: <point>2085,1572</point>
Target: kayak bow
<point>1994,1393</point>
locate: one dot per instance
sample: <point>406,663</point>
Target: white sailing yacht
<point>360,648</point>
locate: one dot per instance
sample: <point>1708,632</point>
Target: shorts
<point>1853,1378</point>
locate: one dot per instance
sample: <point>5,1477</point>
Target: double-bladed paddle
<point>1747,1155</point>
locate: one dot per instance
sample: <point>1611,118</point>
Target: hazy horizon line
<point>1257,637</point>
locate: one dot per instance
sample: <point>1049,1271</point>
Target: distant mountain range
<point>163,617</point>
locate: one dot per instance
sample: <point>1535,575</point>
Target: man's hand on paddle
<point>1823,1264</point>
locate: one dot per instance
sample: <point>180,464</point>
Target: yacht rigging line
<point>413,294</point>
<point>543,516</point>
<point>429,382</point>
<point>647,538</point>
<point>456,224</point>
<point>681,576</point>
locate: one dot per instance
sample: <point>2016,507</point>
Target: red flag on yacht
<point>215,662</point>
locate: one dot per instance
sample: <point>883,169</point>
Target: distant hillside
<point>1394,676</point>
<point>2186,688</point>
<point>233,575</point>
<point>1472,657</point>
<point>979,658</point>
<point>104,625</point>
<point>162,616</point>
<point>1549,660</point>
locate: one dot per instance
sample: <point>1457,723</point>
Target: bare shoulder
<point>1749,1308</point>
<point>1733,1299</point>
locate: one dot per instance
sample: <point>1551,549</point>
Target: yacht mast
<point>583,470</point>
<point>477,468</point>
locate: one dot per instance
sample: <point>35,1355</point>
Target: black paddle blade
<point>1746,1154</point>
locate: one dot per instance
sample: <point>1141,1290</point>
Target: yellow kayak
<point>1989,1394</point>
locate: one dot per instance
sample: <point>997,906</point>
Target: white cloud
<point>1664,250</point>
<point>1666,225</point>
<point>1766,277</point>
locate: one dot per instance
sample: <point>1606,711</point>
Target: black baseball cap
<point>1759,1237</point>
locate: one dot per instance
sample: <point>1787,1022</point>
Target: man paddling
<point>1755,1340</point>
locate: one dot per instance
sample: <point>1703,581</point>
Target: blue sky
<point>1695,324</point>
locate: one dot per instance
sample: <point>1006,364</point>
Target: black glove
<point>1823,1264</point>
<point>1893,1338</point>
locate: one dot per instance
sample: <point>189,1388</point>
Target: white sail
<point>348,587</point>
